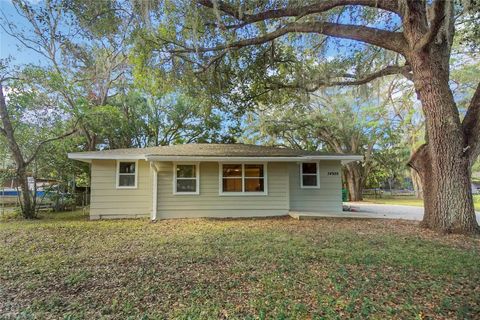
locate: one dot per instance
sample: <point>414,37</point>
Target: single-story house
<point>212,180</point>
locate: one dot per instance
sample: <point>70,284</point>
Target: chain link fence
<point>10,202</point>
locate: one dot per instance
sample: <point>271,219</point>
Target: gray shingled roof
<point>208,150</point>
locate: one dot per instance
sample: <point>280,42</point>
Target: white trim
<point>197,178</point>
<point>88,156</point>
<point>117,174</point>
<point>317,174</point>
<point>154,192</point>
<point>243,193</point>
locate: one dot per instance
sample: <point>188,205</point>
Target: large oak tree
<point>419,32</point>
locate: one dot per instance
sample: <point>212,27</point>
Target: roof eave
<point>343,158</point>
<point>85,157</point>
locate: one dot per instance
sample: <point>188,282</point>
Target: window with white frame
<point>242,178</point>
<point>126,174</point>
<point>186,179</point>
<point>309,175</point>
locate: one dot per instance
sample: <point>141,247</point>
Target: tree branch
<point>435,25</point>
<point>389,70</point>
<point>471,127</point>
<point>8,131</point>
<point>319,7</point>
<point>390,40</point>
<point>44,142</point>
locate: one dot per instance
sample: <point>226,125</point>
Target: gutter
<point>152,157</point>
<point>85,157</point>
<point>154,168</point>
<point>346,158</point>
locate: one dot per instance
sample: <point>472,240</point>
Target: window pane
<point>127,167</point>
<point>310,181</point>
<point>309,168</point>
<point>254,170</point>
<point>187,185</point>
<point>254,185</point>
<point>186,171</point>
<point>232,185</point>
<point>126,180</point>
<point>232,170</point>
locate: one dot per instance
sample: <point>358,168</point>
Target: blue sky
<point>9,46</point>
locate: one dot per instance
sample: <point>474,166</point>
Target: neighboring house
<point>212,180</point>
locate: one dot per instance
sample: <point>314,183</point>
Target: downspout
<point>154,192</point>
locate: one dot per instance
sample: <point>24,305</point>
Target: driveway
<point>387,211</point>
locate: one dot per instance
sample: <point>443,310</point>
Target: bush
<point>11,214</point>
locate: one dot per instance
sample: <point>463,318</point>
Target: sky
<point>9,46</point>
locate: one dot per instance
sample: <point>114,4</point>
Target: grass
<point>410,201</point>
<point>63,267</point>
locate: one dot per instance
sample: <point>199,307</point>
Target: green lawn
<point>62,267</point>
<point>410,201</point>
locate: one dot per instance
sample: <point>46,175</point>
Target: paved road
<point>388,211</point>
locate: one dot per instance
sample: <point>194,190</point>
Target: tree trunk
<point>442,163</point>
<point>420,163</point>
<point>354,178</point>
<point>417,184</point>
<point>390,182</point>
<point>28,208</point>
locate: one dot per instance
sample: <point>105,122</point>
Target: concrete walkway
<point>391,211</point>
<point>371,211</point>
<point>387,211</point>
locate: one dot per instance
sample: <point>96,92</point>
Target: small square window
<point>126,174</point>
<point>186,179</point>
<point>309,175</point>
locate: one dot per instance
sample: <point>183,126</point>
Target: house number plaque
<point>333,173</point>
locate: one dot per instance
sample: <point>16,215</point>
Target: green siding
<point>210,204</point>
<point>109,202</point>
<point>283,185</point>
<point>328,198</point>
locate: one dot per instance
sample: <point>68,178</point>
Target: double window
<point>242,178</point>
<point>186,179</point>
<point>309,175</point>
<point>126,174</point>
